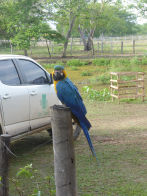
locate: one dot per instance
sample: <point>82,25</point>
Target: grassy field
<point>119,135</point>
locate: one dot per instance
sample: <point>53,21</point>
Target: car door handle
<point>6,96</point>
<point>33,93</point>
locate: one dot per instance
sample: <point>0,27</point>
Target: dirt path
<point>113,116</point>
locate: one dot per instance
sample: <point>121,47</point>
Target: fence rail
<point>101,47</point>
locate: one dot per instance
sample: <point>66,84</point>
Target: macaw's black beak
<point>58,76</point>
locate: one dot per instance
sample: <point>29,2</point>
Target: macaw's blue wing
<point>69,95</point>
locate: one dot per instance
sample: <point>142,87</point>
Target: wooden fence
<point>101,47</point>
<point>127,85</point>
<point>4,164</point>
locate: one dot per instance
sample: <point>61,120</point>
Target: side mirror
<point>50,79</point>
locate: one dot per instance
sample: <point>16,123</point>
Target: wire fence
<point>103,46</point>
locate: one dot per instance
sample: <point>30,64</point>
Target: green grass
<point>121,149</point>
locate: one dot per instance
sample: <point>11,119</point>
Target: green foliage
<point>74,68</point>
<point>21,21</point>
<point>120,65</point>
<point>135,61</point>
<point>144,61</point>
<point>101,61</point>
<point>104,78</point>
<point>86,73</point>
<point>75,63</point>
<point>48,34</point>
<point>102,95</point>
<point>28,173</point>
<point>47,66</point>
<point>25,171</point>
<point>120,62</point>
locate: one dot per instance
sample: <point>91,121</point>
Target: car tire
<point>76,131</point>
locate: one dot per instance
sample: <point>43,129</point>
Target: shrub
<point>120,62</point>
<point>86,73</point>
<point>119,67</point>
<point>135,61</point>
<point>144,61</point>
<point>104,78</point>
<point>102,95</point>
<point>101,62</point>
<point>74,68</point>
<point>47,66</point>
<point>75,62</point>
<point>33,176</point>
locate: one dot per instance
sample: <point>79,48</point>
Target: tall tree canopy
<point>24,20</point>
<point>65,13</point>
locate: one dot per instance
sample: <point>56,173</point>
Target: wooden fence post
<point>71,45</point>
<point>64,156</point>
<point>102,47</point>
<point>4,164</point>
<point>98,45</point>
<point>133,46</point>
<point>122,45</point>
<point>111,47</point>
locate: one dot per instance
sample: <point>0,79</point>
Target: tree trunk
<point>88,44</point>
<point>83,38</point>
<point>25,52</point>
<point>48,48</point>
<point>68,35</point>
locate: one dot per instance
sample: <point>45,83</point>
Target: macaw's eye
<point>58,76</point>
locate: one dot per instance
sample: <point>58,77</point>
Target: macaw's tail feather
<point>88,139</point>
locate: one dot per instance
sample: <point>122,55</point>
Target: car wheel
<point>76,131</point>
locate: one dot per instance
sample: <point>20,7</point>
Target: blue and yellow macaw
<point>69,95</point>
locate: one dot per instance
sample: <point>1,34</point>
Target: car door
<point>14,99</point>
<point>42,94</point>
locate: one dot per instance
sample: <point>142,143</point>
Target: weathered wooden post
<point>98,45</point>
<point>102,47</point>
<point>133,46</point>
<point>64,156</point>
<point>122,45</point>
<point>71,45</point>
<point>4,164</point>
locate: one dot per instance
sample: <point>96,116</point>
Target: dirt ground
<point>120,116</point>
<point>117,123</point>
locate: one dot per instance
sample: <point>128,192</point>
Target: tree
<point>142,7</point>
<point>65,12</point>
<point>104,18</point>
<point>50,35</point>
<point>20,21</point>
<point>142,29</point>
<point>117,22</point>
<point>88,22</point>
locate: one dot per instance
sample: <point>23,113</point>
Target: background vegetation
<point>27,20</point>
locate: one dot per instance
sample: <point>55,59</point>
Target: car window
<point>33,73</point>
<point>8,73</point>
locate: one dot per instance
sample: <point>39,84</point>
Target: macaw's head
<point>59,73</point>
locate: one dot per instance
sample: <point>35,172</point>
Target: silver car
<point>26,94</point>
